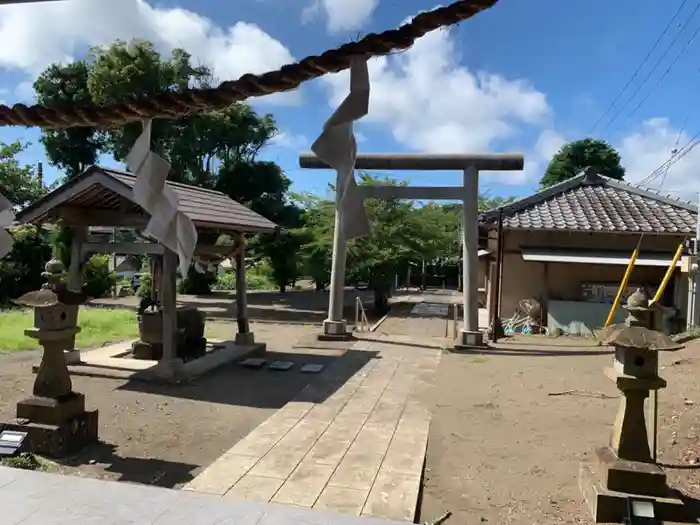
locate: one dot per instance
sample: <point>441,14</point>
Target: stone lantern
<point>625,470</point>
<point>54,417</point>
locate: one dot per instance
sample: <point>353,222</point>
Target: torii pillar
<point>468,193</point>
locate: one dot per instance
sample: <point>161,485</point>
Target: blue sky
<point>523,76</point>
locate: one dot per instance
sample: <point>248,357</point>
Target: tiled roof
<point>592,203</point>
<point>207,206</point>
<point>99,188</point>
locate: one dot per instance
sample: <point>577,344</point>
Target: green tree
<point>20,270</point>
<point>71,150</point>
<point>120,70</point>
<point>316,238</point>
<point>19,184</point>
<point>215,150</point>
<point>576,156</point>
<point>486,202</point>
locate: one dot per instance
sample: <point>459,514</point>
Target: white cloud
<point>34,35</point>
<point>341,15</point>
<point>650,147</point>
<point>432,104</point>
<point>287,140</point>
<point>547,144</point>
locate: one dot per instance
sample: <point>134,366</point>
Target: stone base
<point>50,411</point>
<point>634,477</point>
<point>245,338</point>
<point>72,356</point>
<point>58,441</point>
<point>610,506</point>
<point>335,331</point>
<point>147,351</point>
<point>467,339</point>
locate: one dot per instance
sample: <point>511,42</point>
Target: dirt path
<point>511,425</point>
<point>164,435</point>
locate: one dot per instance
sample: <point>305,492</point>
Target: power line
<point>658,82</point>
<point>674,150</point>
<point>641,65</point>
<point>684,25</point>
<point>677,156</point>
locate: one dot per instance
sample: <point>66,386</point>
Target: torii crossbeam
<point>468,193</point>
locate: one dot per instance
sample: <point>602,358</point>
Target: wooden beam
<point>221,251</point>
<point>241,297</point>
<point>127,248</point>
<point>84,217</point>
<point>381,161</point>
<point>412,192</point>
<point>168,295</point>
<point>75,271</point>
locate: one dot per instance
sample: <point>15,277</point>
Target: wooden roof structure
<point>104,197</point>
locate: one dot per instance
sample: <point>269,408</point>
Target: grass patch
<point>98,326</point>
<point>479,359</point>
<point>29,461</point>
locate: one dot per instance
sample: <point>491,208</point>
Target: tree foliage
<point>19,184</point>
<point>576,156</point>
<point>73,149</point>
<point>220,150</point>
<point>216,150</point>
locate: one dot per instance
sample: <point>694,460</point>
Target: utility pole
<point>690,266</point>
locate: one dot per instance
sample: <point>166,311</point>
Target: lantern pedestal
<point>625,470</point>
<point>54,417</point>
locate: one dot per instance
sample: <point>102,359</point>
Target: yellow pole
<point>623,284</point>
<point>669,272</point>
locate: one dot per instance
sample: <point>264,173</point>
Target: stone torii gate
<point>468,193</point>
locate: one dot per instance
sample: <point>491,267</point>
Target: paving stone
<point>405,456</point>
<point>279,463</point>
<point>357,470</point>
<point>312,368</point>
<point>261,440</point>
<point>255,488</point>
<point>253,362</point>
<point>305,484</point>
<point>280,365</point>
<point>35,498</point>
<point>324,412</point>
<point>221,475</point>
<point>344,500</point>
<point>374,438</point>
<point>393,496</point>
<point>211,511</point>
<point>328,450</point>
<point>386,411</point>
<point>293,409</point>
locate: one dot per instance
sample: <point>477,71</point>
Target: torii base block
<point>335,331</point>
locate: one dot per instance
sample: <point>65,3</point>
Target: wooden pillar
<point>168,283</point>
<point>75,282</point>
<point>244,335</point>
<point>75,270</point>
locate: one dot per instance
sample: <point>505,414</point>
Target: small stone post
<point>625,468</point>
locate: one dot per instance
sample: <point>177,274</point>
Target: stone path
<point>356,447</point>
<point>36,498</point>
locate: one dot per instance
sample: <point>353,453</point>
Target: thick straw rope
<point>173,105</point>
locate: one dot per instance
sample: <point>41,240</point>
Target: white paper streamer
<point>337,147</point>
<point>169,226</point>
<point>7,217</point>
